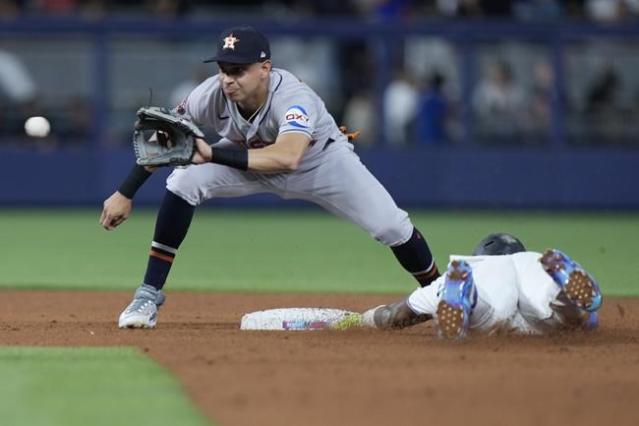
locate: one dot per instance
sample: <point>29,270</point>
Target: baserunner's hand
<point>116,209</point>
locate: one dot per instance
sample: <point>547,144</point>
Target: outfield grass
<point>281,251</point>
<point>89,386</point>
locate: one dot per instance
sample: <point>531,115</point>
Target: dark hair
<point>497,244</point>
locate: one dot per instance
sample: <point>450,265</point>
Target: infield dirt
<point>355,377</point>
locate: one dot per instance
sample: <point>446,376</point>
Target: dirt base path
<point>356,377</point>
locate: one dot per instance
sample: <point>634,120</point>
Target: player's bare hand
<point>203,152</point>
<point>116,209</point>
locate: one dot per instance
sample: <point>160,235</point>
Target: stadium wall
<point>428,177</point>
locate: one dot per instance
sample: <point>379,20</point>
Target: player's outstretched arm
<point>283,156</point>
<point>117,208</point>
<point>395,315</point>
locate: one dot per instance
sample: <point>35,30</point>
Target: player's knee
<point>395,233</point>
<point>181,185</point>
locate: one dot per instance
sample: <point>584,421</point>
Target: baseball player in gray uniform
<point>276,137</point>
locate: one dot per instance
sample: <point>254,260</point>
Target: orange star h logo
<point>229,41</point>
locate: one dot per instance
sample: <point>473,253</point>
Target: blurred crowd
<point>511,97</point>
<point>525,10</point>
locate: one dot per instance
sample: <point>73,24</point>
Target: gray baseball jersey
<point>330,174</point>
<point>291,106</point>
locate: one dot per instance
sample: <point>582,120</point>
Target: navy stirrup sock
<point>415,256</point>
<point>171,226</point>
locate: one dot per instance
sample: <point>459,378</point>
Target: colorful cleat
<point>457,300</point>
<point>579,287</point>
<point>142,312</point>
<point>592,322</point>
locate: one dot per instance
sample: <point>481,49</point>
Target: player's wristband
<point>236,158</point>
<point>137,176</point>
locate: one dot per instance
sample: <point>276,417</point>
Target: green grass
<point>69,387</point>
<point>285,251</point>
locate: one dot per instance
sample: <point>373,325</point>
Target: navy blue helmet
<point>497,244</point>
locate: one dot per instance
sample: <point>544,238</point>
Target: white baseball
<point>37,127</point>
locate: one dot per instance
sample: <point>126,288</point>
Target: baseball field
<point>63,361</point>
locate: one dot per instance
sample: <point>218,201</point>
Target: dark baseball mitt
<point>164,138</point>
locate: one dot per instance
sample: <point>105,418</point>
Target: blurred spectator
<point>388,10</point>
<point>499,102</point>
<point>312,60</point>
<point>168,8</point>
<point>384,10</point>
<point>602,95</point>
<point>469,8</point>
<point>537,10</point>
<point>17,94</point>
<point>447,7</point>
<point>400,103</point>
<point>296,9</point>
<point>94,9</point>
<point>542,94</point>
<point>359,115</point>
<point>16,82</point>
<point>610,11</point>
<point>55,7</point>
<point>475,8</point>
<point>432,113</point>
<point>356,63</point>
<point>429,55</point>
<point>607,118</point>
<point>73,124</point>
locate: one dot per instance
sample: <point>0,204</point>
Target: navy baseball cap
<point>241,45</point>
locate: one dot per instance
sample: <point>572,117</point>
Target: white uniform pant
<point>513,293</point>
<point>337,181</point>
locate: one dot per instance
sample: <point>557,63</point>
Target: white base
<point>292,319</point>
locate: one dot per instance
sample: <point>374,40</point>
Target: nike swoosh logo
<point>221,117</point>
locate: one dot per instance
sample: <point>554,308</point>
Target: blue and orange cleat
<point>579,286</point>
<point>458,296</point>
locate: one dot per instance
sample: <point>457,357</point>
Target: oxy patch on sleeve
<point>297,116</point>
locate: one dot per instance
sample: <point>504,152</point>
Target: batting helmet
<point>499,243</point>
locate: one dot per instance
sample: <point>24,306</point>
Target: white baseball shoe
<point>142,312</point>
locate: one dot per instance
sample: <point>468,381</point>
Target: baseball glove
<point>164,138</point>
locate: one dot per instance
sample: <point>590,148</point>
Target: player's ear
<point>266,66</point>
